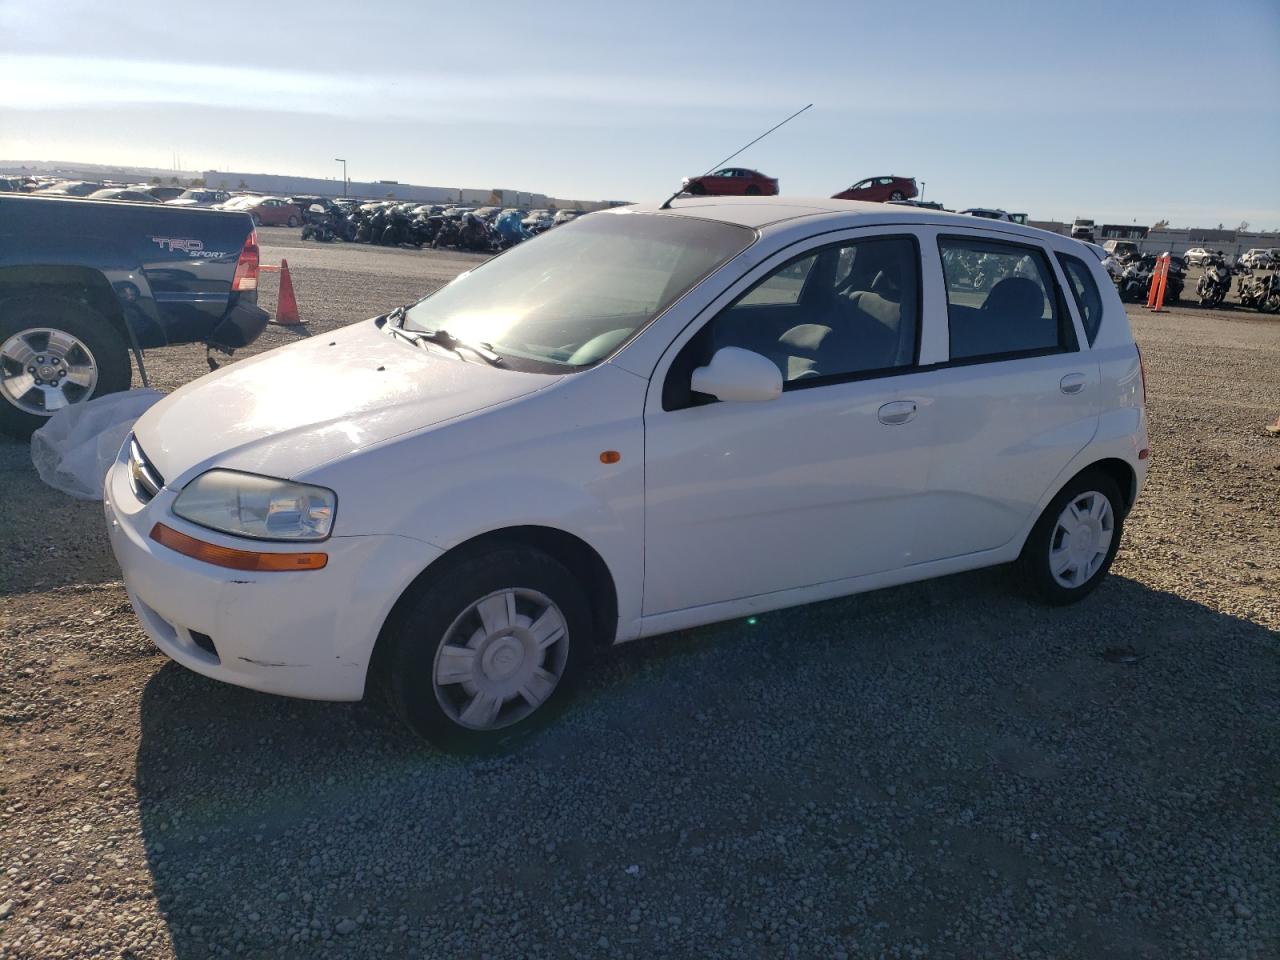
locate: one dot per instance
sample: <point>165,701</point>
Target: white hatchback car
<point>645,420</point>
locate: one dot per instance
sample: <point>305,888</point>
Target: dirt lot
<point>940,770</point>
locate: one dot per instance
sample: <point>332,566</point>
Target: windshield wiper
<point>444,338</point>
<point>440,337</point>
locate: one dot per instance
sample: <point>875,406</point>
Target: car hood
<point>288,411</point>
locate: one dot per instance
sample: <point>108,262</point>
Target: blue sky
<point>1057,109</point>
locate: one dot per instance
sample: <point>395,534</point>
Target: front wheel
<point>1072,545</point>
<point>293,221</point>
<point>54,352</point>
<point>487,650</point>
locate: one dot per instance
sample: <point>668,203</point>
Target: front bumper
<point>307,634</point>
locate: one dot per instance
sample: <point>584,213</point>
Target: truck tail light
<point>246,276</point>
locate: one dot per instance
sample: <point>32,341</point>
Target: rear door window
<point>1002,301</point>
<point>1085,290</point>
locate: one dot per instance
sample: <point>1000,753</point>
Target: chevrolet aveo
<point>641,421</point>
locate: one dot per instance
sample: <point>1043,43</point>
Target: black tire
<point>897,195</point>
<point>752,191</point>
<point>293,221</point>
<point>420,624</point>
<point>1032,567</point>
<point>110,353</point>
<point>697,189</point>
<point>257,220</point>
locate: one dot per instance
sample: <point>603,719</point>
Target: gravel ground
<point>938,770</point>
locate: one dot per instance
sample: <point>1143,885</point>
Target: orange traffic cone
<point>286,302</point>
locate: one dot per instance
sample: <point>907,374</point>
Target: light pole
<point>922,186</point>
<point>344,173</point>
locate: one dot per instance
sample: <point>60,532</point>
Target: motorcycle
<point>318,224</point>
<point>1215,282</point>
<point>474,235</point>
<point>1135,282</point>
<point>1260,293</point>
<point>447,234</point>
<point>510,230</point>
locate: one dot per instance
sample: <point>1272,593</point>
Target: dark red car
<point>733,182</point>
<point>880,189</point>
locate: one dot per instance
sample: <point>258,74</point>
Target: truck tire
<point>53,352</point>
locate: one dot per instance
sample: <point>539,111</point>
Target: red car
<point>268,211</point>
<point>732,182</point>
<point>880,189</point>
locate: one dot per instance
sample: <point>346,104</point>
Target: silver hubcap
<point>501,659</point>
<point>1081,539</point>
<point>43,370</point>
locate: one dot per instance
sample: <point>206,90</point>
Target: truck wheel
<point>54,352</point>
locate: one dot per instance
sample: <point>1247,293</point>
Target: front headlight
<point>260,507</point>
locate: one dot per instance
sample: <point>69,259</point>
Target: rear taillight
<point>1142,372</point>
<point>246,276</point>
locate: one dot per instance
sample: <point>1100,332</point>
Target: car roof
<point>772,213</point>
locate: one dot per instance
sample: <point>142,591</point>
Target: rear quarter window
<point>1085,290</point>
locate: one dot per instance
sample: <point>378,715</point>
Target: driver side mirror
<point>735,375</point>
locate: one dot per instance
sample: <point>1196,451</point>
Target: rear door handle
<point>1072,383</point>
<point>899,411</point>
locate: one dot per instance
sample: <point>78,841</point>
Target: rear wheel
<point>897,195</point>
<point>54,352</point>
<point>257,220</point>
<point>293,221</point>
<point>488,650</point>
<point>753,191</point>
<point>1072,545</point>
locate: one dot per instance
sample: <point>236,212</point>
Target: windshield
<point>573,295</point>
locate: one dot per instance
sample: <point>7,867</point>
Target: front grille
<point>144,478</point>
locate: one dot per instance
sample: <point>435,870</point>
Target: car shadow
<point>948,730</point>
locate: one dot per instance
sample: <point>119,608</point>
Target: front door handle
<point>1072,383</point>
<point>899,411</point>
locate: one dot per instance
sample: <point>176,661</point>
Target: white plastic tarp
<point>74,450</point>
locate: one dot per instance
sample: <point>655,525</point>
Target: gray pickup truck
<point>84,283</point>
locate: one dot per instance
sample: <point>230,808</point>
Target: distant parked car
<point>565,216</point>
<point>1196,256</point>
<point>539,220</point>
<point>267,211</point>
<point>922,204</point>
<point>732,182</point>
<point>122,193</point>
<point>70,188</point>
<point>164,194</point>
<point>880,189</point>
<point>10,185</point>
<point>1124,249</point>
<point>986,213</point>
<point>199,197</point>
<point>1083,229</point>
<point>1256,258</point>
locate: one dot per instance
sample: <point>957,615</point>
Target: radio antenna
<point>667,204</point>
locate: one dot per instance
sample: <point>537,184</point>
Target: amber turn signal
<point>235,559</point>
<point>610,456</point>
